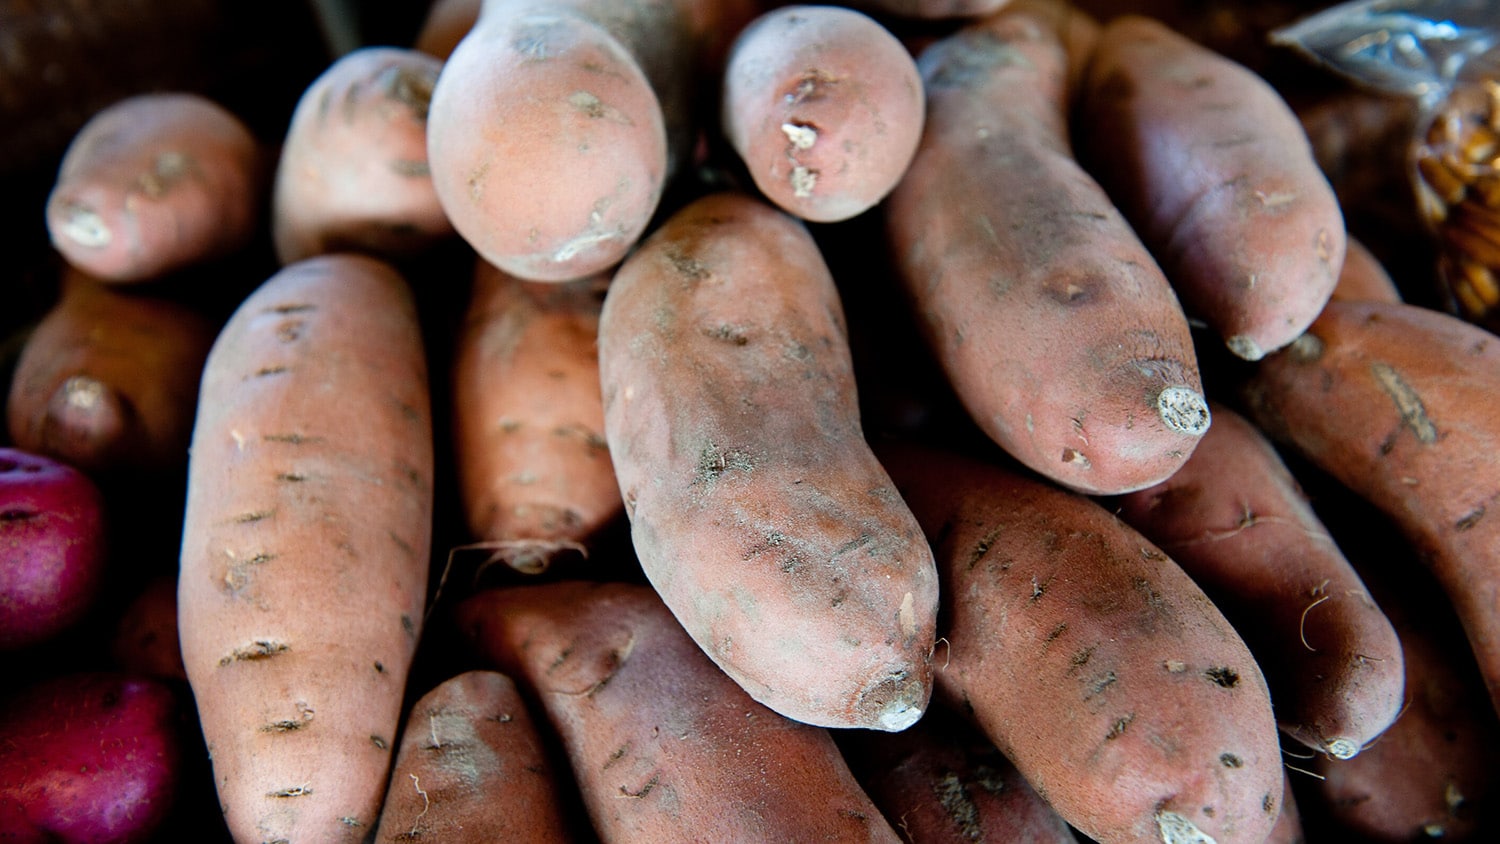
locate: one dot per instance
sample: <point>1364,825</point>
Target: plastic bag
<point>1445,54</point>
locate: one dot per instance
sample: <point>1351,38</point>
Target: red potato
<point>548,141</point>
<point>353,173</point>
<point>756,507</point>
<point>472,769</point>
<point>88,759</point>
<point>534,472</point>
<point>1239,524</point>
<point>305,548</point>
<point>1056,329</point>
<point>1363,278</point>
<point>942,781</point>
<point>662,744</point>
<point>154,183</point>
<point>1092,661</point>
<point>52,547</point>
<point>1214,170</point>
<point>825,107</point>
<point>1395,402</point>
<point>109,378</point>
<point>146,640</point>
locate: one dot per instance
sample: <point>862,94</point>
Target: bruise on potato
<point>1091,660</point>
<point>472,769</point>
<point>661,742</point>
<point>756,506</point>
<point>1238,523</point>
<point>1395,401</point>
<point>1214,170</point>
<point>1054,324</point>
<point>534,472</point>
<point>305,547</point>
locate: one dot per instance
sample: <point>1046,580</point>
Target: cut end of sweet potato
<point>896,701</point>
<point>1342,748</point>
<point>82,225</point>
<point>1244,347</point>
<point>1184,410</point>
<point>85,420</point>
<point>1176,829</point>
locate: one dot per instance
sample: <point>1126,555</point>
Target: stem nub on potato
<point>305,546</point>
<point>1055,326</point>
<point>756,506</point>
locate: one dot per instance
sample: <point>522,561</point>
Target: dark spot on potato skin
<point>1223,676</point>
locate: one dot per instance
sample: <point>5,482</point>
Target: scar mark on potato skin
<point>254,516</point>
<point>267,371</point>
<point>1470,519</point>
<point>255,651</point>
<point>644,790</point>
<point>1408,402</point>
<point>1117,729</point>
<point>1223,676</point>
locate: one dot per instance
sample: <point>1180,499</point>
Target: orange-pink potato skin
<point>756,506</point>
<point>306,547</point>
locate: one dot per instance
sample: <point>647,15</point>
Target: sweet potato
<point>756,506</point>
<point>932,9</point>
<point>1054,325</point>
<point>1363,278</point>
<point>1214,170</point>
<point>154,183</point>
<point>1394,401</point>
<point>534,472</point>
<point>445,24</point>
<point>825,107</point>
<point>53,550</point>
<point>1238,523</point>
<point>1092,661</point>
<point>943,781</point>
<point>88,758</point>
<point>472,769</point>
<point>109,378</point>
<point>305,546</point>
<point>353,173</point>
<point>662,744</point>
<point>146,640</point>
<point>547,138</point>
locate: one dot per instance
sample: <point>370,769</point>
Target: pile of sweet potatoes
<point>740,421</point>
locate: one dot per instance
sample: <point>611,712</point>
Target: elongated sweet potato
<point>756,506</point>
<point>1236,520</point>
<point>1363,278</point>
<point>1395,402</point>
<point>353,172</point>
<point>663,745</point>
<point>472,769</point>
<point>305,547</point>
<point>932,9</point>
<point>1054,324</point>
<point>534,471</point>
<point>825,107</point>
<point>1092,661</point>
<point>109,378</point>
<point>1215,171</point>
<point>154,183</point>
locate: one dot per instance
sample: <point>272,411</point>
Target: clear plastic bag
<point>1445,54</point>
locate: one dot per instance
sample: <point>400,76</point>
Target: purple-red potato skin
<point>353,173</point>
<point>1214,170</point>
<point>1056,328</point>
<point>306,547</point>
<point>1396,403</point>
<point>1363,278</point>
<point>548,144</point>
<point>88,759</point>
<point>1238,523</point>
<point>941,782</point>
<point>534,472</point>
<point>1092,661</point>
<point>825,107</point>
<point>52,547</point>
<point>756,506</point>
<point>154,183</point>
<point>662,743</point>
<point>108,380</point>
<point>472,769</point>
<point>146,641</point>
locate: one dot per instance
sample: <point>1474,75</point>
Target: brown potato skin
<point>1239,524</point>
<point>756,507</point>
<point>306,547</point>
<point>472,769</point>
<point>850,93</point>
<point>1214,170</point>
<point>1363,278</point>
<point>108,380</point>
<point>353,173</point>
<point>146,640</point>
<point>662,743</point>
<point>932,9</point>
<point>154,183</point>
<point>534,473</point>
<point>1395,402</point>
<point>1091,660</point>
<point>1055,327</point>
